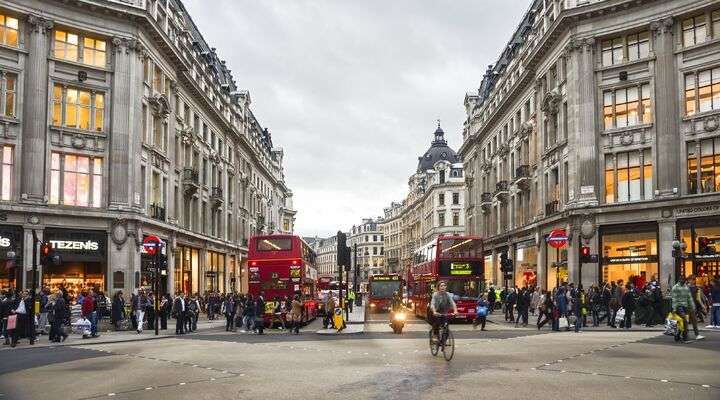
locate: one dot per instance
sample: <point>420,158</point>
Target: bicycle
<point>446,340</point>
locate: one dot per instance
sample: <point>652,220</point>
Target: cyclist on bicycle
<point>440,306</point>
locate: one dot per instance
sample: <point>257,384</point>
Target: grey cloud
<point>352,89</point>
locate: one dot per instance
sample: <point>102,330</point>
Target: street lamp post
<point>679,255</point>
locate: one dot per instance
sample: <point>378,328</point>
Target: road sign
<point>557,238</point>
<point>151,244</point>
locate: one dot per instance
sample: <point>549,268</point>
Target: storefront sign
<point>5,241</point>
<point>557,238</point>
<point>698,210</point>
<point>210,274</point>
<point>74,245</point>
<point>78,246</point>
<point>630,260</point>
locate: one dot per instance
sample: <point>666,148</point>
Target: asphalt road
<point>502,362</point>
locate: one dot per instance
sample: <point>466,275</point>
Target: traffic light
<point>343,252</point>
<point>49,256</point>
<point>163,264</point>
<point>506,265</point>
<point>585,254</point>
<point>45,250</point>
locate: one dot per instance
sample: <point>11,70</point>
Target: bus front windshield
<point>384,290</point>
<point>463,289</point>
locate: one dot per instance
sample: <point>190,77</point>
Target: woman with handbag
<point>481,312</point>
<point>545,309</point>
<point>20,315</point>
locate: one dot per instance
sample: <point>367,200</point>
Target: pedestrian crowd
<point>618,304</point>
<point>60,314</point>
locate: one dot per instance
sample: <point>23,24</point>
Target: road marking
<point>212,379</point>
<point>664,380</point>
<point>148,388</point>
<point>111,394</point>
<point>181,383</point>
<point>706,386</point>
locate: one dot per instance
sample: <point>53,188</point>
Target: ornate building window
<point>627,106</point>
<point>8,89</point>
<point>75,180</point>
<point>702,91</point>
<point>628,176</point>
<point>706,155</point>
<point>89,51</point>
<point>694,30</point>
<point>78,108</point>
<point>6,175</point>
<point>8,31</point>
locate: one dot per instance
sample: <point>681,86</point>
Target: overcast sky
<point>352,89</point>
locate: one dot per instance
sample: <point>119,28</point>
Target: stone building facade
<point>434,205</point>
<point>600,118</point>
<point>120,121</point>
<point>370,248</point>
<point>326,257</point>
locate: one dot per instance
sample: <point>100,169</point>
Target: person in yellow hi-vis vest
<point>351,299</point>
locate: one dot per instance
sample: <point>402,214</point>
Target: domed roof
<point>438,151</point>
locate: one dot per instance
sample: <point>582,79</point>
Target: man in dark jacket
<point>229,311</point>
<point>260,314</point>
<point>628,302</point>
<point>178,312</point>
<point>510,301</point>
<point>59,316</point>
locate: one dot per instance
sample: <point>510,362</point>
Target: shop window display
<point>556,265</point>
<point>702,251</point>
<point>630,257</point>
<point>526,266</point>
<point>75,277</point>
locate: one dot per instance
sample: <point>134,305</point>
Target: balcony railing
<point>501,186</point>
<point>552,207</point>
<point>191,180</point>
<point>522,171</point>
<point>157,212</point>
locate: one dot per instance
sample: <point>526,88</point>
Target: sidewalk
<point>357,316</point>
<point>110,336</point>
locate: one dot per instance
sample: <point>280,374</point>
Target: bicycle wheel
<point>449,348</point>
<point>433,346</point>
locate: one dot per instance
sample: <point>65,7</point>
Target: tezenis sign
<point>74,245</point>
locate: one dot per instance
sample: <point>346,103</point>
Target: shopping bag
<point>620,316</point>
<point>11,322</point>
<point>563,323</point>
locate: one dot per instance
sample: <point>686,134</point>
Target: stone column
<point>667,166</point>
<point>541,261</point>
<point>35,103</point>
<point>582,125</point>
<point>666,262</point>
<point>122,124</point>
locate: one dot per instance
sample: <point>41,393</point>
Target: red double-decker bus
<point>282,266</point>
<point>455,259</point>
<point>381,289</point>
